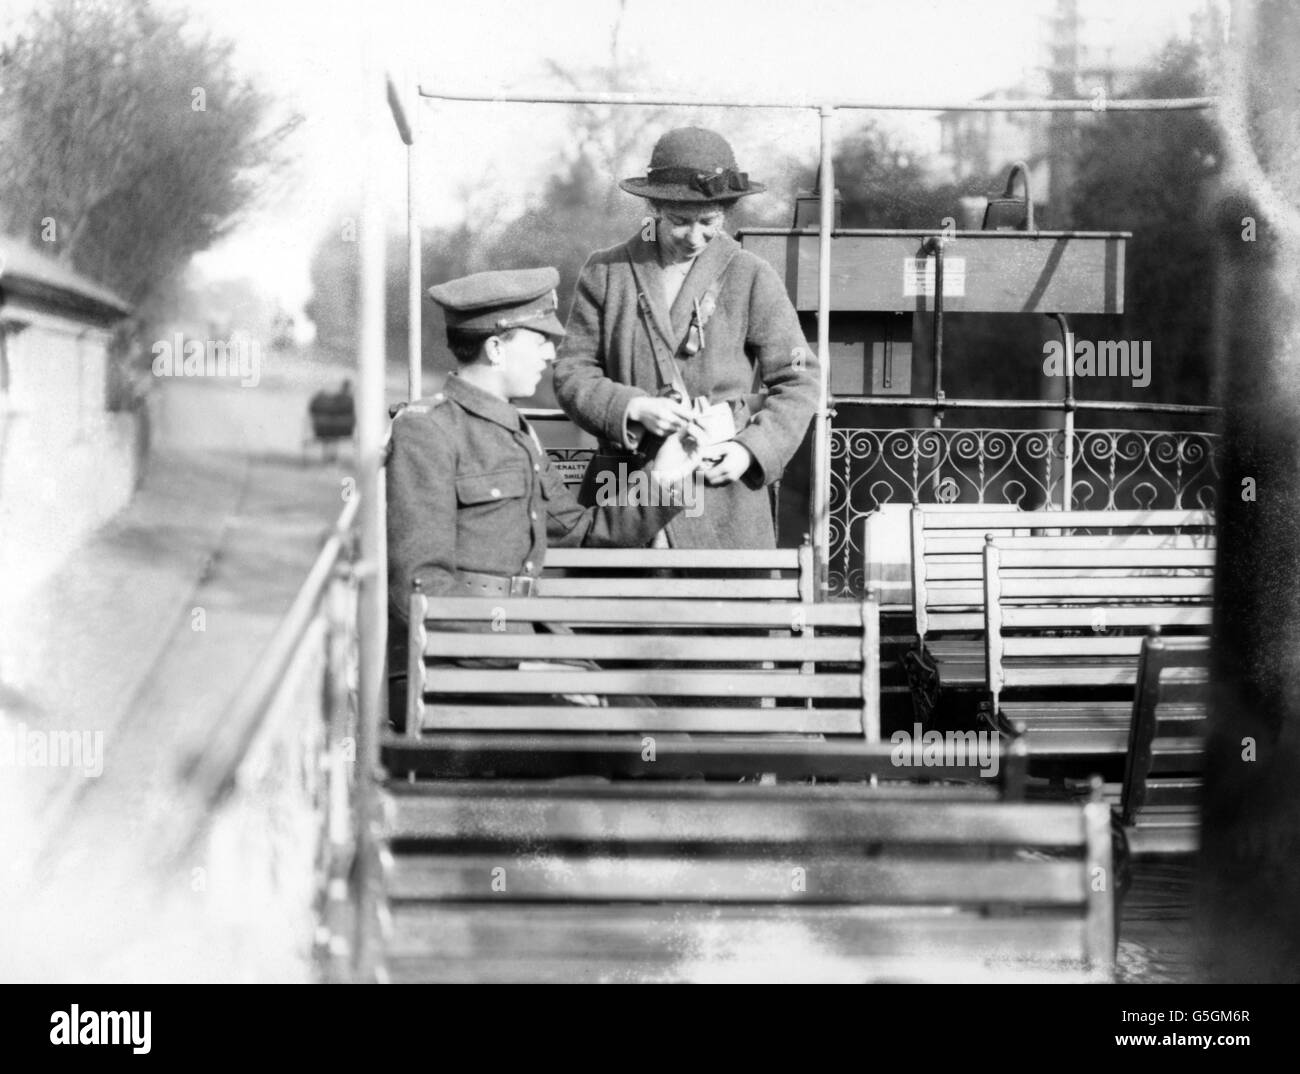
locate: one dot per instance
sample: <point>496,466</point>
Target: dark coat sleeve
<point>421,486</point>
<point>595,401</point>
<point>790,375</point>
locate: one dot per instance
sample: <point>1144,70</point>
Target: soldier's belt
<point>475,584</point>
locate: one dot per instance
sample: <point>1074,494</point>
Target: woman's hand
<point>730,461</point>
<point>659,416</point>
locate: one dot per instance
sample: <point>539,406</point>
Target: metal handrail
<point>951,403</point>
<point>212,773</point>
<point>1028,104</point>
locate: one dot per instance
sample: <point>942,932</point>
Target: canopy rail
<point>1027,104</point>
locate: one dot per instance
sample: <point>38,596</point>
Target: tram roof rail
<point>1027,104</point>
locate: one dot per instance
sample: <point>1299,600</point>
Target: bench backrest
<point>710,666</point>
<point>948,545</point>
<point>1070,611</point>
<point>1166,751</point>
<point>677,573</point>
<point>642,881</point>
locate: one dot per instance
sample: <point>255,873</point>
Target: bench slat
<point>505,810</point>
<point>946,573</point>
<point>734,683</point>
<point>715,559</point>
<point>678,613</point>
<point>1030,618</point>
<point>1016,645</point>
<point>1069,674</point>
<point>787,757</point>
<point>491,716</point>
<point>1074,588</point>
<point>845,936</point>
<point>942,546</point>
<point>686,814</point>
<point>955,621</point>
<point>1172,792</point>
<point>648,647</point>
<point>1017,558</point>
<point>997,520</point>
<point>673,588</point>
<point>795,878</point>
<point>1145,842</point>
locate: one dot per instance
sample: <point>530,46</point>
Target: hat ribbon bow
<point>711,184</point>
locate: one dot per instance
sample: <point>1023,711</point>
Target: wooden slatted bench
<point>948,574</point>
<point>709,664</point>
<point>738,688</point>
<point>1160,807</point>
<point>502,859</point>
<point>1064,619</point>
<point>545,881</point>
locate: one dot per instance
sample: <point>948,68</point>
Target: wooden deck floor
<point>1156,941</point>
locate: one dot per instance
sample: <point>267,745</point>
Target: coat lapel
<point>707,268</point>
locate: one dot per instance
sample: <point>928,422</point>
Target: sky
<point>309,54</point>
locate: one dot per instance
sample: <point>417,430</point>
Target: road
<point>136,646</point>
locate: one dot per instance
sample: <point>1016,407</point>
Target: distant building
<point>1087,55</point>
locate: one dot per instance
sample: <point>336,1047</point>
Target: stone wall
<point>67,464</point>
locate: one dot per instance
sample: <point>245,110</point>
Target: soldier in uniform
<point>473,500</point>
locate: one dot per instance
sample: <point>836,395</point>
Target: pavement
<point>136,646</point>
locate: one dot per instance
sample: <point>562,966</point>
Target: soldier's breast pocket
<point>497,492</point>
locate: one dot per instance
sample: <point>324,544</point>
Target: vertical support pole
<point>1100,937</point>
<point>821,475</point>
<point>340,764</point>
<point>372,618</point>
<point>937,420</point>
<point>938,333</point>
<point>871,665</point>
<point>414,284</point>
<point>993,653</point>
<point>1067,455</point>
<point>417,641</point>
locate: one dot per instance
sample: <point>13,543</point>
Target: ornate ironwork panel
<point>1111,469</point>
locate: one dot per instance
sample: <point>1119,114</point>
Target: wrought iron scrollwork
<point>1113,469</point>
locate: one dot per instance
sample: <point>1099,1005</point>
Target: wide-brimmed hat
<point>692,164</point>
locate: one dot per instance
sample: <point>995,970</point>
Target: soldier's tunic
<point>470,489</point>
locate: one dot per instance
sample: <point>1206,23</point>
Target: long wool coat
<point>619,314</point>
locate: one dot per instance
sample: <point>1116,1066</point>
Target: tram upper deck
<point>818,726</point>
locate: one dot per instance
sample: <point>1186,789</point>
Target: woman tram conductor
<point>678,312</point>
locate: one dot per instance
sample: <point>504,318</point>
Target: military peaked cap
<point>491,302</point>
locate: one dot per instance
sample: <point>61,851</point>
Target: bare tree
<point>133,144</point>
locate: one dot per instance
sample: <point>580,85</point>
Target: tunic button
<point>532,515</point>
<point>528,566</point>
<point>536,469</point>
<point>496,492</point>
